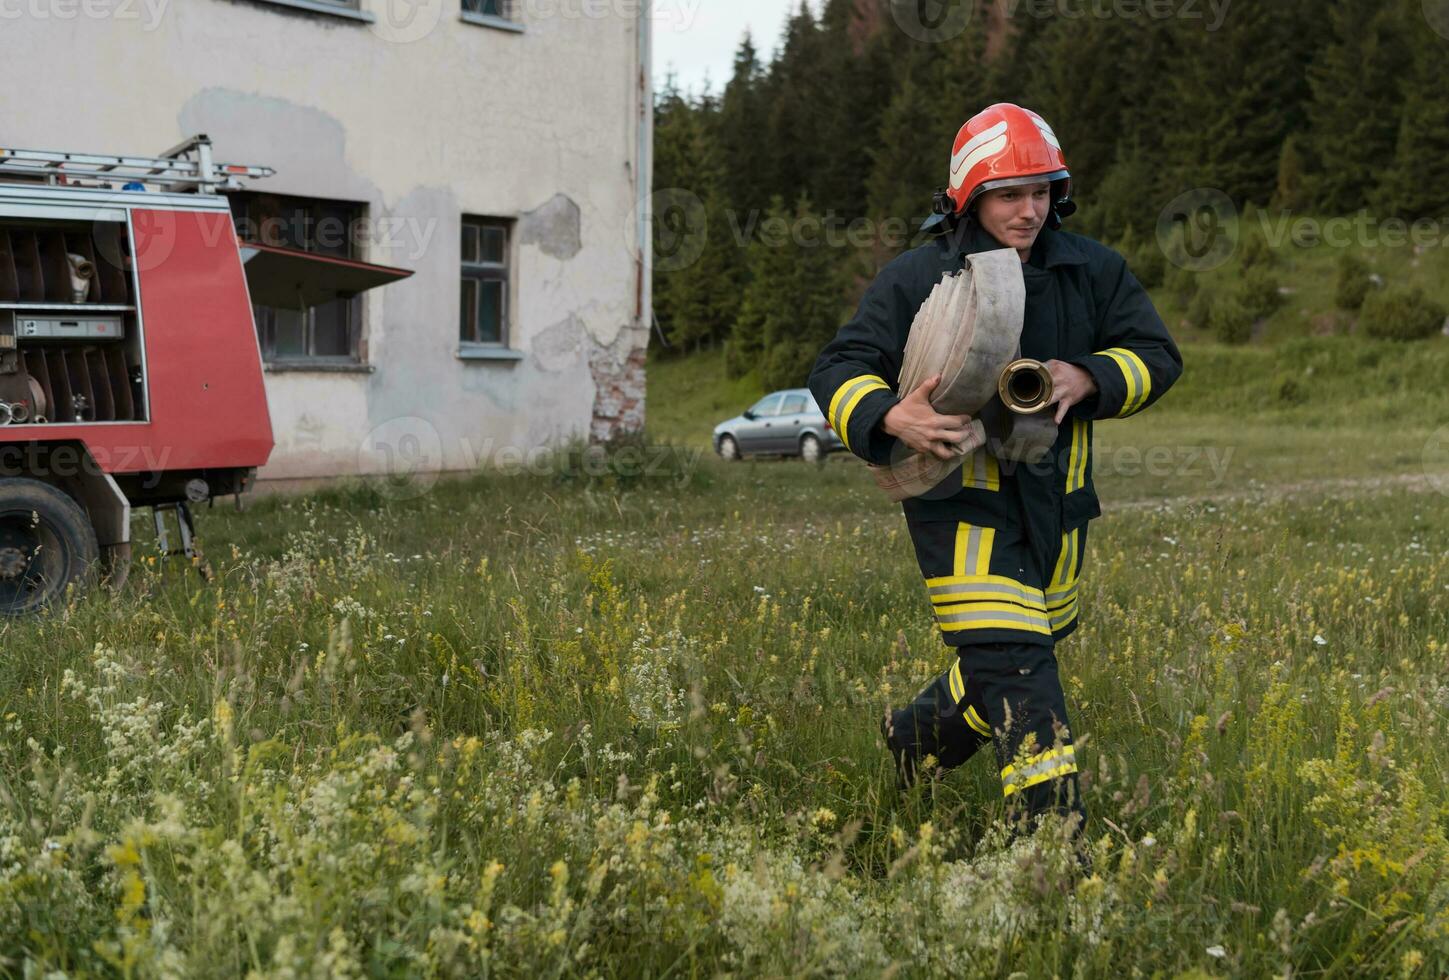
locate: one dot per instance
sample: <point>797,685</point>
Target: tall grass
<point>542,726</point>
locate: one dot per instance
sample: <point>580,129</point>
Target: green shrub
<point>1182,283</point>
<point>1200,313</point>
<point>1144,258</point>
<point>1258,291</point>
<point>1148,264</point>
<point>1231,319</point>
<point>1353,283</point>
<point>1290,389</point>
<point>1255,253</point>
<point>1401,314</point>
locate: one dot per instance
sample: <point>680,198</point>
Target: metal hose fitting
<point>1025,386</point>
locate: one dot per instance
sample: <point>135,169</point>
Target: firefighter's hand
<point>1070,385</point>
<point>921,427</point>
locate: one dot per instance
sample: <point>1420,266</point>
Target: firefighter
<point>1001,546</point>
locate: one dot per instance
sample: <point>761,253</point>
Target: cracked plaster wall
<point>418,133</point>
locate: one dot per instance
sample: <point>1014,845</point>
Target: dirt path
<point>1351,486</point>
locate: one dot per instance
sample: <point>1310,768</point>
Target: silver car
<point>784,423</point>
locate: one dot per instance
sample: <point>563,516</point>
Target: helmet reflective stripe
<point>1046,131</point>
<point>978,148</point>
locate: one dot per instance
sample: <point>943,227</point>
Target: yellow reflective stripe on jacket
<point>977,723</point>
<point>957,683</point>
<point>1077,459</point>
<point>1063,612</point>
<point>1061,594</point>
<point>847,396</point>
<point>1038,769</point>
<point>981,471</point>
<point>1134,371</point>
<point>991,616</point>
<point>1064,572</point>
<point>985,588</point>
<point>973,549</point>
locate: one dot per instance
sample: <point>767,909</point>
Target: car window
<point>794,405</point>
<point>766,406</point>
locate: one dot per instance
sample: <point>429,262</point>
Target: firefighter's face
<point>1014,215</point>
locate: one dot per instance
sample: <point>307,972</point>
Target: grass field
<point>624,725</point>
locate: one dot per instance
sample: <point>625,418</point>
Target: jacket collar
<point>1052,248</point>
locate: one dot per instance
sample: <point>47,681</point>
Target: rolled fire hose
<point>969,332</point>
<point>81,274</point>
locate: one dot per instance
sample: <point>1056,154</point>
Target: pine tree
<point>796,138</point>
<point>793,304</point>
<point>740,131</point>
<point>1290,194</point>
<point>908,155</point>
<point>855,85</point>
<point>1417,183</point>
<point>794,330</point>
<point>696,286</point>
<point>769,289</point>
<point>940,88</point>
<point>1124,198</point>
<point>1355,81</point>
<point>1240,91</point>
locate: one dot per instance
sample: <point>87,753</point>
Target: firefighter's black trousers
<point>1008,694</point>
<point>1001,609</point>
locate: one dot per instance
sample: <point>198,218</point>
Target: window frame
<point>480,270</point>
<point>347,9</point>
<point>265,318</point>
<point>506,20</point>
<point>776,398</point>
<point>785,401</point>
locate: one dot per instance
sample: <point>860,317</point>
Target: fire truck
<point>130,370</point>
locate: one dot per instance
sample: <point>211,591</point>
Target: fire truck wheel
<point>46,544</point>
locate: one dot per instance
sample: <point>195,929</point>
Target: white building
<point>496,147</point>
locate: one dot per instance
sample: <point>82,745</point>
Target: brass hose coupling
<point>1025,386</point>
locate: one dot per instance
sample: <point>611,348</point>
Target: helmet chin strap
<point>1062,207</point>
<point>942,218</point>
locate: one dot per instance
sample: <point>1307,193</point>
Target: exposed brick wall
<point>618,372</point>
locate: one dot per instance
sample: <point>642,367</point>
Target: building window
<point>329,332</point>
<point>351,9</point>
<point>483,317</point>
<point>488,8</point>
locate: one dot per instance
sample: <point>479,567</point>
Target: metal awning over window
<point>290,279</point>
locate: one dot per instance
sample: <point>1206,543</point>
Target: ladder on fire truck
<point>188,167</point>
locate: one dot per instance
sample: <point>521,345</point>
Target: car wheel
<point>46,544</point>
<point>728,448</point>
<point>810,449</point>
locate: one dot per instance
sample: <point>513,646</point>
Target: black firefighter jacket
<point>1083,306</point>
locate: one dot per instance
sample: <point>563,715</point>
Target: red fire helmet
<point>1004,145</point>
